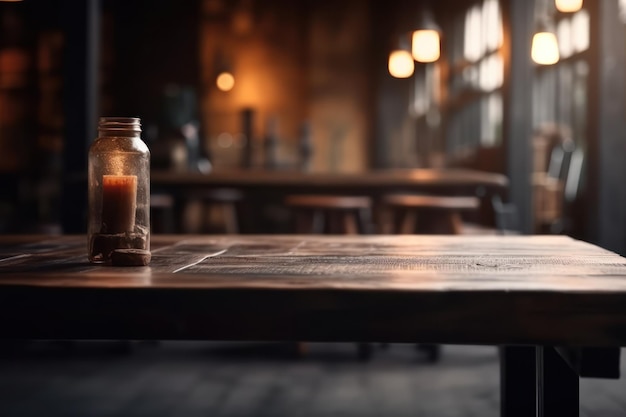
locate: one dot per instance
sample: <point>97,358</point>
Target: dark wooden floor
<point>219,380</point>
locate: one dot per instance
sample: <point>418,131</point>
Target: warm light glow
<point>545,48</point>
<point>491,72</point>
<point>401,64</point>
<point>568,6</point>
<point>492,25</point>
<point>473,47</point>
<point>426,46</point>
<point>564,36</point>
<point>225,81</point>
<point>580,31</point>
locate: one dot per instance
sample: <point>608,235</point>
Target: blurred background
<point>534,90</point>
<point>213,79</point>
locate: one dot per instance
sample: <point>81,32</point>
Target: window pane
<point>544,97</point>
<point>421,99</point>
<point>491,129</point>
<point>579,123</point>
<point>565,104</point>
<point>473,30</point>
<point>564,35</point>
<point>471,76</point>
<point>492,25</point>
<point>580,31</point>
<point>491,72</point>
<point>456,50</point>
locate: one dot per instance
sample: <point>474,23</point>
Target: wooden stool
<point>220,203</point>
<point>329,214</point>
<point>428,214</point>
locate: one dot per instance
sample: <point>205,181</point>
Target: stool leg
<point>318,221</point>
<point>193,216</point>
<point>309,221</point>
<point>408,222</point>
<point>333,224</point>
<point>229,213</point>
<point>303,221</point>
<point>384,221</point>
<point>350,225</point>
<point>444,223</point>
<point>364,221</point>
<point>456,223</point>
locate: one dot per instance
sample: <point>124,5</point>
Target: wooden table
<point>265,186</point>
<point>536,296</point>
<point>360,181</point>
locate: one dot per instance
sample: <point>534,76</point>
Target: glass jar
<point>119,191</point>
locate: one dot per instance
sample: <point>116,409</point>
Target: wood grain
<point>445,289</point>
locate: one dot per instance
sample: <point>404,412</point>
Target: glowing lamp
<point>225,81</point>
<point>426,45</point>
<point>568,6</point>
<point>401,64</point>
<point>545,48</point>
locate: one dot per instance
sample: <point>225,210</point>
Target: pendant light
<point>401,63</point>
<point>426,39</point>
<point>545,47</point>
<point>225,81</point>
<point>225,77</point>
<point>568,6</point>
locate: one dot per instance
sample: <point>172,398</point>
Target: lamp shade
<point>545,48</point>
<point>568,6</point>
<point>401,64</point>
<point>426,45</point>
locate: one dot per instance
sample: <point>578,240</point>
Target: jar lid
<point>127,124</point>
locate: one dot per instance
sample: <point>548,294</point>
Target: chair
<point>571,192</point>
<point>554,196</point>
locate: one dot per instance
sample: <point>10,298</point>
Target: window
<point>475,79</point>
<point>573,34</point>
<point>560,90</point>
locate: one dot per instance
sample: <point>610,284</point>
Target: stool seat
<point>328,201</point>
<point>428,213</point>
<point>332,214</point>
<point>433,201</point>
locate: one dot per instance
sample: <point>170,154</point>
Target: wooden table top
<point>410,178</point>
<point>444,289</point>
